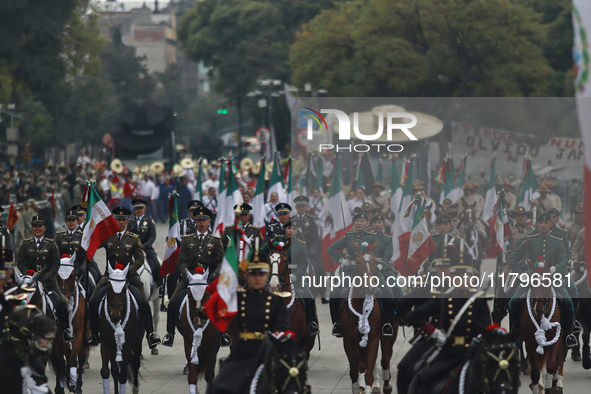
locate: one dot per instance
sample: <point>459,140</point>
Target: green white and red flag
<point>233,197</point>
<point>420,244</point>
<point>258,201</point>
<point>100,224</point>
<point>218,227</point>
<point>458,192</point>
<point>171,253</point>
<point>287,181</point>
<point>403,223</point>
<point>276,181</point>
<point>499,226</point>
<point>491,194</point>
<point>222,306</point>
<point>530,185</point>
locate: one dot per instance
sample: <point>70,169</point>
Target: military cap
<point>20,205</point>
<point>245,208</point>
<point>468,186</point>
<point>194,204</point>
<point>139,203</point>
<point>80,210</point>
<point>202,213</point>
<point>378,184</point>
<point>301,200</point>
<point>121,213</point>
<point>37,220</point>
<point>446,202</point>
<point>553,211</point>
<point>283,208</point>
<point>443,218</point>
<point>520,211</point>
<point>368,207</point>
<point>377,217</point>
<point>71,215</point>
<point>544,217</point>
<point>360,215</point>
<point>578,209</point>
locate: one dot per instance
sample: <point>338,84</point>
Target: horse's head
<point>197,286</point>
<point>66,280</point>
<point>278,263</point>
<point>366,262</point>
<point>468,218</point>
<point>495,366</point>
<point>116,294</point>
<point>541,291</point>
<point>28,324</point>
<point>286,365</point>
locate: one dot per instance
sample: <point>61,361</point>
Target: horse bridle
<point>280,277</point>
<point>293,370</point>
<point>502,365</point>
<point>118,305</point>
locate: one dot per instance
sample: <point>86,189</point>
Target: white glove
<point>292,278</point>
<point>380,266</point>
<point>439,337</point>
<point>344,262</point>
<point>552,270</point>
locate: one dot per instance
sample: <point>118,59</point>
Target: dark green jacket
<point>550,248</point>
<point>347,243</point>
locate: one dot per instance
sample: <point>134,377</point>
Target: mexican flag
<point>395,195</point>
<point>403,223</point>
<point>499,225</point>
<point>233,197</point>
<point>12,216</point>
<point>258,201</point>
<point>276,182</point>
<point>420,245</point>
<point>223,303</point>
<point>218,227</point>
<point>171,253</point>
<point>100,224</point>
<point>530,185</point>
<point>291,193</point>
<point>448,179</point>
<point>198,183</point>
<point>491,193</point>
<point>338,211</point>
<point>458,192</point>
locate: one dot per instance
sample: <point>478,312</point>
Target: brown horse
<point>201,338</point>
<point>361,316</point>
<point>279,281</point>
<point>583,313</point>
<point>68,358</point>
<point>542,306</point>
<point>121,332</point>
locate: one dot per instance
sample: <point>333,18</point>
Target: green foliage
<point>424,48</point>
<point>170,94</point>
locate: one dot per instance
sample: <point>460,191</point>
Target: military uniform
<point>68,243</point>
<point>145,228</point>
<point>309,233</point>
<point>259,312</point>
<point>572,230</point>
<point>276,228</point>
<point>207,253</point>
<point>577,251</point>
<point>384,255</point>
<point>187,226</point>
<point>251,232</point>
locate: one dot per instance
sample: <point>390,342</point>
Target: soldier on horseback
<point>573,229</point>
<point>200,249</point>
<point>384,252</point>
<point>551,249</point>
<point>123,248</point>
<point>42,255</point>
<point>520,230</point>
<point>251,231</point>
<point>144,227</point>
<point>259,311</point>
<point>187,225</point>
<point>298,260</point>
<point>359,236</point>
<point>276,228</point>
<point>443,236</point>
<point>68,242</point>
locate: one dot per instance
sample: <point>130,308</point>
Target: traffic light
<point>222,108</point>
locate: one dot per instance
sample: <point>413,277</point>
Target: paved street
<point>328,367</point>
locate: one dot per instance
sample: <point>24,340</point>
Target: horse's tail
<point>59,367</point>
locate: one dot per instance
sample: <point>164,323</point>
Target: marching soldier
<point>311,235</point>
<point>548,248</point>
<point>123,248</point>
<point>520,230</point>
<point>359,235</point>
<point>443,224</point>
<point>251,231</point>
<point>187,226</point>
<point>200,249</point>
<point>276,228</point>
<point>573,229</point>
<point>42,255</point>
<point>68,242</point>
<point>471,198</point>
<point>260,312</point>
<point>143,226</point>
<point>298,260</point>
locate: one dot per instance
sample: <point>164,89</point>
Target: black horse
<point>285,369</point>
<point>492,367</point>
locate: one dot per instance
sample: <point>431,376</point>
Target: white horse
<point>151,292</point>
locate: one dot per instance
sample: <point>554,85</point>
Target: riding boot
<point>387,317</point>
<point>63,318</point>
<point>335,304</point>
<point>171,321</point>
<point>567,327</point>
<point>514,316</point>
<point>146,315</point>
<point>311,322</point>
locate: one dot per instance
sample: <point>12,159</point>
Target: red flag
<point>12,216</point>
<point>52,202</point>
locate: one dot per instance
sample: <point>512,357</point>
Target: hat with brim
<point>121,213</point>
<point>544,217</point>
<point>258,266</point>
<point>282,208</point>
<point>187,163</point>
<point>378,184</point>
<point>244,209</point>
<point>37,221</point>
<point>544,189</point>
<point>360,215</point>
<point>443,218</point>
<point>194,204</point>
<point>446,210</point>
<point>301,201</point>
<point>139,203</point>
<point>71,215</point>
<point>202,213</point>
<point>376,218</point>
<point>468,186</point>
<point>579,209</point>
<point>520,211</point>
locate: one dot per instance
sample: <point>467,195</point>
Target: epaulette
<point>27,239</point>
<point>131,234</point>
<point>215,236</point>
<point>387,236</point>
<point>532,235</point>
<point>60,232</point>
<point>252,226</point>
<point>229,225</point>
<point>49,239</point>
<point>561,229</point>
<point>560,239</point>
<point>304,242</point>
<point>188,235</point>
<point>351,232</point>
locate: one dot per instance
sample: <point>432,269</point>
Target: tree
<point>424,48</point>
<point>170,94</point>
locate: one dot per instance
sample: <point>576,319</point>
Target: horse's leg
<point>136,363</point>
<point>387,345</point>
<point>81,357</point>
<point>372,354</point>
<point>155,319</point>
<point>192,376</point>
<point>350,345</point>
<point>105,356</point>
<point>586,356</point>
